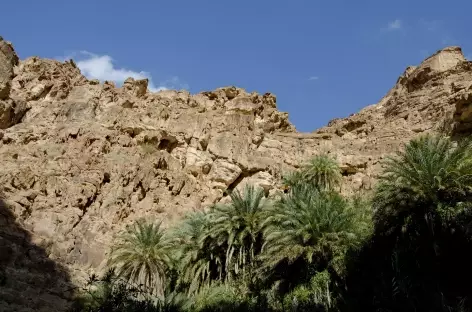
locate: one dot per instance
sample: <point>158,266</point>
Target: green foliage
<point>424,188</point>
<point>221,297</point>
<point>113,294</point>
<point>421,239</point>
<point>314,296</point>
<point>236,227</point>
<point>294,178</point>
<point>220,244</point>
<point>310,224</point>
<point>142,255</point>
<point>361,206</point>
<point>430,170</point>
<point>198,258</point>
<point>323,171</point>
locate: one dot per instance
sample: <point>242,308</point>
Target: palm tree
<point>293,178</point>
<point>323,171</point>
<point>236,228</point>
<point>142,255</point>
<point>420,213</point>
<point>308,225</point>
<point>425,180</point>
<point>199,258</point>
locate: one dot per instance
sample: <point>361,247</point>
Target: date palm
<point>422,195</point>
<point>199,258</point>
<point>309,225</point>
<point>236,227</point>
<point>293,179</point>
<point>142,255</point>
<point>323,171</point>
<point>424,181</point>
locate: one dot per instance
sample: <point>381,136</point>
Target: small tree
<point>142,255</point>
<point>323,171</point>
<point>307,231</point>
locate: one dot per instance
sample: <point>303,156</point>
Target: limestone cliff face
<point>81,159</point>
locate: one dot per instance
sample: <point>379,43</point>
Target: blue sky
<point>323,59</point>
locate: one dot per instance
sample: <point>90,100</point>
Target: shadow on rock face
<point>29,280</point>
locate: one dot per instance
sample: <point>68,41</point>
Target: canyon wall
<point>81,159</point>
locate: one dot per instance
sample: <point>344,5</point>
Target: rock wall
<point>29,279</point>
<point>81,159</point>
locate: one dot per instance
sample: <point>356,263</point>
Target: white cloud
<point>174,83</point>
<point>314,78</point>
<point>431,25</point>
<point>102,67</point>
<point>395,25</point>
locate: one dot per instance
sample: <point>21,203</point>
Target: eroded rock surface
<point>81,159</point>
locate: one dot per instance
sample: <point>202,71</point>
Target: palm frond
<point>323,171</point>
<point>142,255</point>
<point>308,223</point>
<point>430,172</point>
<point>236,227</point>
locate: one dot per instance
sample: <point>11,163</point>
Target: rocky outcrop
<point>82,159</point>
<point>8,59</point>
<point>11,109</point>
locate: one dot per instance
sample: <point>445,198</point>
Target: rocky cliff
<point>81,159</point>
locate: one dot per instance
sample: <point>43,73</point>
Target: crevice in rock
<point>84,209</point>
<point>45,92</point>
<point>106,178</point>
<point>139,187</point>
<point>26,213</point>
<point>177,187</point>
<point>161,164</point>
<point>166,180</point>
<point>242,176</point>
<point>352,170</point>
<point>353,125</point>
<point>204,144</point>
<point>167,144</point>
<point>7,140</point>
<point>89,141</point>
<point>259,142</point>
<point>233,185</point>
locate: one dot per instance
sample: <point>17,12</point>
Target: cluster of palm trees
<point>314,249</point>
